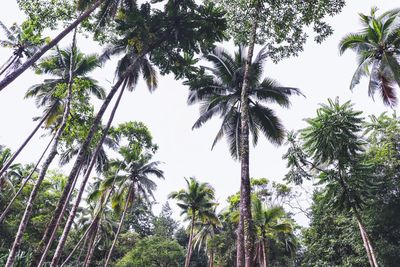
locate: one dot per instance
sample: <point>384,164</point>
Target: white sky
<point>319,72</point>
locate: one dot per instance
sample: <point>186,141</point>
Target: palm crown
<point>218,90</point>
<point>378,47</point>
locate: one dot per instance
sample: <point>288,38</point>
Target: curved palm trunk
<point>245,203</point>
<point>74,209</point>
<point>43,171</point>
<point>366,241</point>
<point>4,214</point>
<point>13,59</point>
<point>121,221</point>
<point>28,63</point>
<point>190,244</point>
<point>14,156</point>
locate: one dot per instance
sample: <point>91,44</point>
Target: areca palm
<point>220,93</point>
<point>133,183</point>
<point>377,46</point>
<point>270,223</point>
<point>197,203</point>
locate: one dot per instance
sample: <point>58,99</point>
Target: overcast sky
<point>319,72</point>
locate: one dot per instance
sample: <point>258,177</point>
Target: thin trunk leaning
<point>91,247</point>
<point>121,221</point>
<point>29,62</point>
<point>367,243</point>
<point>16,153</point>
<point>4,214</point>
<point>74,209</point>
<point>15,57</point>
<point>264,251</point>
<point>43,171</point>
<point>245,208</point>
<point>190,244</point>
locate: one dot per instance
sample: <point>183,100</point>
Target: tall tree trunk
<point>245,193</point>
<point>29,62</point>
<point>83,237</point>
<point>367,243</point>
<point>43,171</point>
<point>14,58</point>
<point>121,221</point>
<point>190,243</point>
<point>16,153</point>
<point>264,253</point>
<point>4,214</point>
<point>240,240</point>
<point>42,257</point>
<point>91,247</point>
<point>74,209</point>
<point>211,259</point>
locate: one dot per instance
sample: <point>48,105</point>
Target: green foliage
<point>377,48</point>
<point>281,25</point>
<point>154,252</point>
<point>218,90</point>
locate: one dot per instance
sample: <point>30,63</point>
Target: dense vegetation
<point>77,216</point>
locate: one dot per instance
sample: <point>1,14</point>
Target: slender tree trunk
<point>212,258</point>
<point>14,58</point>
<point>240,240</point>
<point>245,193</point>
<point>121,221</point>
<point>4,214</point>
<point>43,171</point>
<point>264,253</point>
<point>42,257</point>
<point>16,153</point>
<point>74,209</point>
<point>367,243</point>
<point>29,62</point>
<point>85,234</point>
<point>190,244</point>
<point>91,247</point>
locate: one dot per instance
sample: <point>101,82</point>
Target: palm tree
<point>66,69</point>
<point>205,231</point>
<point>133,184</point>
<point>378,48</point>
<point>5,179</point>
<point>197,202</point>
<point>220,93</point>
<point>21,45</point>
<point>270,223</point>
<point>128,70</point>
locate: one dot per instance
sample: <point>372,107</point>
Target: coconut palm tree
<point>377,47</point>
<point>220,93</point>
<point>67,69</point>
<point>205,231</point>
<point>142,66</point>
<point>6,183</point>
<point>133,183</point>
<point>21,42</point>
<point>197,203</point>
<point>270,223</point>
